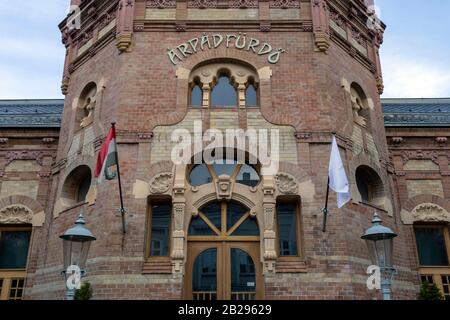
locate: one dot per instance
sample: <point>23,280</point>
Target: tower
<point>304,69</point>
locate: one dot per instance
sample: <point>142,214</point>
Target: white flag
<point>338,178</point>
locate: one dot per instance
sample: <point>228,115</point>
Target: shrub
<point>84,293</point>
<point>430,291</point>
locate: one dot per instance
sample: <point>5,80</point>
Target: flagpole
<point>325,210</point>
<point>122,209</point>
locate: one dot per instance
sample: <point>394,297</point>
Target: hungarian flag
<point>107,157</point>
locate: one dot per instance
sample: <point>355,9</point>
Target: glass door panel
<point>204,276</point>
<point>243,276</point>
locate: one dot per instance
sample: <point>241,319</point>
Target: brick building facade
<point>305,68</point>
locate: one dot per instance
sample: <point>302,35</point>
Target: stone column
<point>321,25</point>
<point>269,202</point>
<point>178,234</point>
<point>125,24</point>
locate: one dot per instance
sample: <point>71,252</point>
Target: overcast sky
<point>415,54</point>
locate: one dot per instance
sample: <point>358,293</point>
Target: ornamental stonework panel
<point>426,212</point>
<point>161,4</point>
<point>284,4</point>
<point>16,214</point>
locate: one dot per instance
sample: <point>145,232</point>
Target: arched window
<point>251,99</point>
<point>224,94</point>
<point>242,173</point>
<point>77,185</point>
<point>370,185</point>
<point>196,96</point>
<point>226,83</point>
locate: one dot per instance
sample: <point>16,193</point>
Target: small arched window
<point>370,185</point>
<point>196,96</point>
<point>77,185</point>
<point>224,94</point>
<point>251,99</point>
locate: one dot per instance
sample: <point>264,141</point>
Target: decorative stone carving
<point>202,4</point>
<point>16,214</point>
<point>441,140</point>
<point>224,187</point>
<point>88,107</point>
<point>269,213</point>
<point>425,212</point>
<point>178,212</point>
<point>161,4</point>
<point>24,155</point>
<point>397,140</point>
<point>430,212</point>
<point>244,4</point>
<point>357,107</point>
<point>177,254</point>
<point>284,4</point>
<point>420,155</point>
<point>161,183</point>
<point>286,183</point>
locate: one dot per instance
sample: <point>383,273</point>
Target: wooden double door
<point>223,255</point>
<point>223,271</point>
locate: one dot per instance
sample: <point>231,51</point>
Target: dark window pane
<point>223,93</point>
<point>198,227</point>
<point>14,249</point>
<point>248,228</point>
<point>243,277</point>
<point>160,229</point>
<point>251,97</point>
<point>363,188</point>
<point>248,176</point>
<point>431,247</point>
<point>196,96</point>
<point>83,188</point>
<point>212,212</point>
<point>287,229</point>
<point>204,273</point>
<point>199,175</point>
<point>234,213</point>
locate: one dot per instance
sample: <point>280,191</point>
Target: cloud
<point>408,77</point>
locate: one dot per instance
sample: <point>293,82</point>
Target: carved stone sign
<point>239,41</point>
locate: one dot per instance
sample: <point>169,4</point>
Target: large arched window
<point>240,172</point>
<point>224,93</point>
<point>227,83</point>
